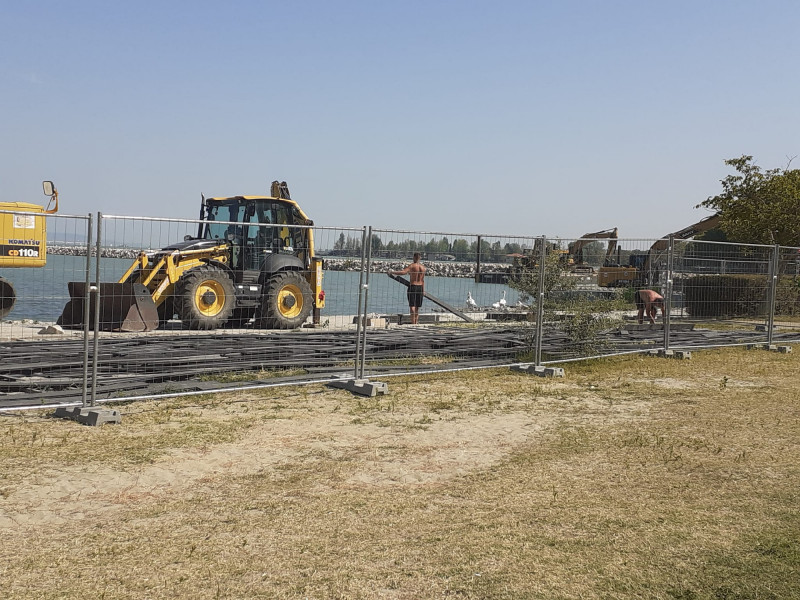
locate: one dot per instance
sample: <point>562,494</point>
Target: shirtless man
<point>416,287</point>
<point>648,302</point>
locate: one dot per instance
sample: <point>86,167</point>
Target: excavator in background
<point>253,257</point>
<point>639,265</point>
<point>528,260</point>
<point>576,249</point>
<point>23,239</point>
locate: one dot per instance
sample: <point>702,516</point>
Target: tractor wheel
<point>204,298</point>
<point>8,297</point>
<point>286,303</point>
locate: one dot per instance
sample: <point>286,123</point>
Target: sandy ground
<point>28,330</point>
<point>387,456</point>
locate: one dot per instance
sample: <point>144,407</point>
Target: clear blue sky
<point>515,117</point>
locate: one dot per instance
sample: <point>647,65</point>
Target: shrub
<point>726,295</point>
<point>787,297</point>
<point>739,295</point>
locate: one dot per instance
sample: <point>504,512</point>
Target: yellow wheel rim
<point>290,301</point>
<point>209,297</point>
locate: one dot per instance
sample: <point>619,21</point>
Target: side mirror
<point>187,237</point>
<point>50,190</point>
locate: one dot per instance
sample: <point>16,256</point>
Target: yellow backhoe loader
<point>253,257</point>
<point>23,240</point>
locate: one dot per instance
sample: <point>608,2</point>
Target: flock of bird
<point>501,304</point>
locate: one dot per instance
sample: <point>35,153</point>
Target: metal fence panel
<point>722,291</point>
<point>587,307</point>
<point>489,301</point>
<point>242,351</point>
<point>787,294</point>
<point>470,314</point>
<point>41,363</point>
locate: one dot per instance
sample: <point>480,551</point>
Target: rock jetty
<point>435,268</point>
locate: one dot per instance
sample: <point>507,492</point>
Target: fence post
<point>87,300</point>
<point>366,303</point>
<point>773,291</point>
<point>478,262</point>
<point>360,300</point>
<point>96,291</point>
<point>540,300</point>
<point>668,292</point>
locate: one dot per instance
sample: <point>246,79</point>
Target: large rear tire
<point>8,297</point>
<point>286,303</point>
<point>205,298</point>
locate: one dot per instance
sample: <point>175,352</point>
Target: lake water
<point>42,293</point>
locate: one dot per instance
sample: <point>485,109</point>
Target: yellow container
<point>23,237</point>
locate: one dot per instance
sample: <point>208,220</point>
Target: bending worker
<point>416,286</point>
<point>648,301</point>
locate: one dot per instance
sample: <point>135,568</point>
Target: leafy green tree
<point>579,317</point>
<point>339,244</point>
<point>377,244</point>
<point>461,248</point>
<point>758,206</point>
<point>526,281</point>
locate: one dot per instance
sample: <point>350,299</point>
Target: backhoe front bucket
<point>123,307</point>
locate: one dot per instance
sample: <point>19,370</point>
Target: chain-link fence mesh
<point>39,254</point>
<point>787,292</point>
<point>197,306</point>
<point>244,300</point>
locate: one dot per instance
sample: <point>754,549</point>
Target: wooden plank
<point>434,299</point>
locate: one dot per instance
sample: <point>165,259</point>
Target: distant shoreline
<point>435,268</point>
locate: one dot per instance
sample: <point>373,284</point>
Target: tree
<point>579,317</point>
<point>377,244</point>
<point>757,206</point>
<point>461,249</point>
<point>339,244</point>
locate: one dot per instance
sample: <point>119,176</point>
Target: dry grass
<point>632,478</point>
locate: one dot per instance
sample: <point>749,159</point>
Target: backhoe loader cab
<point>253,257</point>
<point>256,227</point>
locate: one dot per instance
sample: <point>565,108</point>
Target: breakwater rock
<point>128,253</point>
<point>434,268</point>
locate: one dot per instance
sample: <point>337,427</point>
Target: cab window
<point>223,211</point>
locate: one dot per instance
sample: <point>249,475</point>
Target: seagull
<point>500,304</point>
<point>470,301</point>
<point>502,301</point>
